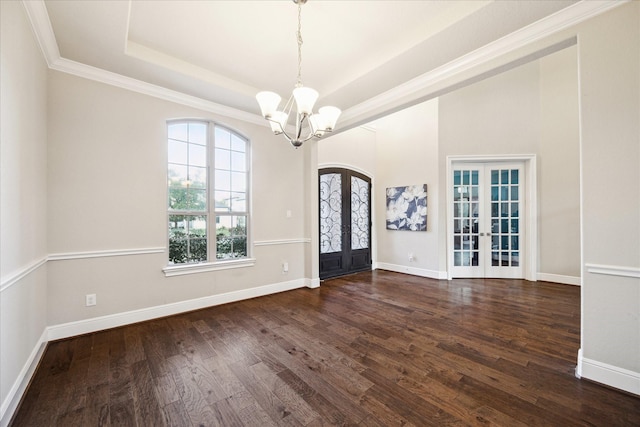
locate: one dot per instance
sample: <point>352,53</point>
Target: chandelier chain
<point>307,124</point>
<point>299,37</point>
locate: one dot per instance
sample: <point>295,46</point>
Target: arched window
<point>208,193</point>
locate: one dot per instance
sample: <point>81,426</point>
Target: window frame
<point>212,263</point>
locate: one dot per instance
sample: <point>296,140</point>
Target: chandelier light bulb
<point>278,122</point>
<point>318,125</point>
<point>330,116</point>
<point>268,102</point>
<point>305,99</point>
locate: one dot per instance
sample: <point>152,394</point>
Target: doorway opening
<point>491,207</point>
<point>345,222</point>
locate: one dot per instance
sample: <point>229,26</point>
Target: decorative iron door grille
<point>345,222</point>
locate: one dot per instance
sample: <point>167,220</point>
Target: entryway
<point>345,222</point>
<point>488,217</point>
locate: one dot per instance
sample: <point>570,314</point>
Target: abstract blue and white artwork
<point>407,208</point>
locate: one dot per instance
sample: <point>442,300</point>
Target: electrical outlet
<point>285,267</point>
<point>90,300</point>
<point>411,257</point>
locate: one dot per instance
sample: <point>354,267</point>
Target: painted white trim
<point>579,366</point>
<point>531,205</point>
<point>86,326</point>
<point>41,25</point>
<point>12,400</point>
<point>42,29</point>
<point>6,283</point>
<point>134,85</point>
<point>161,59</point>
<point>415,271</point>
<point>181,270</point>
<point>282,242</point>
<point>581,96</point>
<point>559,278</point>
<point>613,270</point>
<point>346,166</point>
<point>610,375</point>
<point>561,20</point>
<point>106,253</point>
<point>312,283</point>
<point>71,329</point>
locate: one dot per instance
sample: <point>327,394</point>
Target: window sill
<point>180,270</point>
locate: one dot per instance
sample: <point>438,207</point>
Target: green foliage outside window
<point>231,242</point>
<point>187,248</point>
<point>195,203</point>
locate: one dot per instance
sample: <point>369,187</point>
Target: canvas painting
<point>407,208</point>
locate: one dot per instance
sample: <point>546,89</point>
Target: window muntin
<point>208,180</point>
<point>230,195</point>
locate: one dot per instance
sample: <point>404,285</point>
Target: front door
<point>488,216</point>
<point>345,222</point>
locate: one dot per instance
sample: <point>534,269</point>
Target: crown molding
<point>41,25</point>
<point>536,31</point>
<point>42,29</point>
<point>400,95</point>
<point>134,85</point>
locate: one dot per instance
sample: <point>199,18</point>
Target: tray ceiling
<point>223,52</point>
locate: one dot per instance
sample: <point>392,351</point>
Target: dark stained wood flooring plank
<point>97,407</point>
<point>121,405</point>
<point>147,408</point>
<point>370,349</point>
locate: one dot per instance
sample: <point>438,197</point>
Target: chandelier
<point>308,123</point>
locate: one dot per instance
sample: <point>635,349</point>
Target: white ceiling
<point>223,52</point>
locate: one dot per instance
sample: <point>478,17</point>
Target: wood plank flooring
<point>370,349</point>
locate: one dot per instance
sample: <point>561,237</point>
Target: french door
<point>345,222</point>
<point>487,219</point>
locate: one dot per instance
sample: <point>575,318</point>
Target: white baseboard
<point>559,278</point>
<point>11,402</point>
<point>609,375</point>
<point>86,326</point>
<point>579,367</point>
<point>423,272</point>
<point>66,330</point>
<point>313,283</point>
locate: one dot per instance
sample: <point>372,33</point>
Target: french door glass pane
<point>465,212</point>
<point>504,217</point>
<point>359,213</point>
<point>330,213</point>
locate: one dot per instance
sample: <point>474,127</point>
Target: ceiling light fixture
<point>317,124</point>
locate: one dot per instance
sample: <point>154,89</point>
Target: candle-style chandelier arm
<point>304,98</point>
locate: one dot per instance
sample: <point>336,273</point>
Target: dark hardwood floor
<point>370,349</point>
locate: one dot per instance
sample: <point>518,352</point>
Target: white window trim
<point>224,264</point>
<point>203,267</point>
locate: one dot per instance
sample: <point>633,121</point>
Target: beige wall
<point>23,203</point>
<point>407,154</point>
<point>354,149</point>
<point>609,53</point>
<point>531,109</point>
<point>559,166</point>
<point>107,192</point>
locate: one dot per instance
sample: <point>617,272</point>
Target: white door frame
<point>531,206</point>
